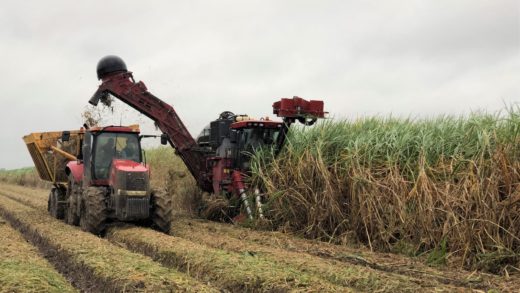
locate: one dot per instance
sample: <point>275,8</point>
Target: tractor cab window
<point>113,145</point>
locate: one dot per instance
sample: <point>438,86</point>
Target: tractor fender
<point>76,169</point>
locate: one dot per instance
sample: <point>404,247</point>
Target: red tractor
<point>219,159</point>
<point>98,175</point>
<point>111,182</point>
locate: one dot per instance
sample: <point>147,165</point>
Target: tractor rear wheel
<point>71,215</point>
<point>161,210</point>
<point>94,210</point>
<point>55,203</point>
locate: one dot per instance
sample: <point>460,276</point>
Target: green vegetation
<point>170,172</point>
<point>391,184</point>
<point>94,263</point>
<point>446,184</point>
<point>22,269</point>
<point>24,176</point>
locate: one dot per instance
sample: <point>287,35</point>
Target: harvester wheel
<point>161,210</point>
<point>55,208</point>
<point>94,210</point>
<point>72,216</point>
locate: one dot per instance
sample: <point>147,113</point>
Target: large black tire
<point>94,210</point>
<point>55,208</point>
<point>49,201</point>
<point>71,214</point>
<point>161,210</point>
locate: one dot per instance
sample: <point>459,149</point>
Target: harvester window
<point>112,145</point>
<point>253,139</point>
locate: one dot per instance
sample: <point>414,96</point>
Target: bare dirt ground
<point>203,256</point>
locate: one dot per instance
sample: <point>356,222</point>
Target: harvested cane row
<point>23,269</point>
<point>229,271</point>
<point>241,239</point>
<point>92,263</point>
<point>257,266</point>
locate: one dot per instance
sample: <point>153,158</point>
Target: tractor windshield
<point>114,145</point>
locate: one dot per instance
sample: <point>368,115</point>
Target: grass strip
<point>92,263</point>
<point>227,270</point>
<point>240,239</point>
<point>25,199</point>
<point>355,275</point>
<point>38,193</point>
<point>23,269</point>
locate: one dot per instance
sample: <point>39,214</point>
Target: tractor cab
<point>109,146</point>
<point>109,149</point>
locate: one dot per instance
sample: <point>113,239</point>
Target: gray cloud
<point>411,58</point>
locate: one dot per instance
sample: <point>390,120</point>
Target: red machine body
<point>296,107</point>
<point>108,180</point>
<point>76,169</point>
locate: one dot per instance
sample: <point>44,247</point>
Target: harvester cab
<point>237,137</point>
<point>232,140</point>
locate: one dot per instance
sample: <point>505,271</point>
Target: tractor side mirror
<point>164,139</point>
<point>65,136</point>
<point>233,136</point>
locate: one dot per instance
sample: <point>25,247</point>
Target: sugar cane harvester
<point>219,159</point>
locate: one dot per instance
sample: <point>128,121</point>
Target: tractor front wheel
<point>161,210</point>
<point>94,210</point>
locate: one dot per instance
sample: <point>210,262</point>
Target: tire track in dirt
<point>357,276</point>
<point>91,263</point>
<point>24,269</point>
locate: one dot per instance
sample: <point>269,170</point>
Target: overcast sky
<point>410,58</point>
